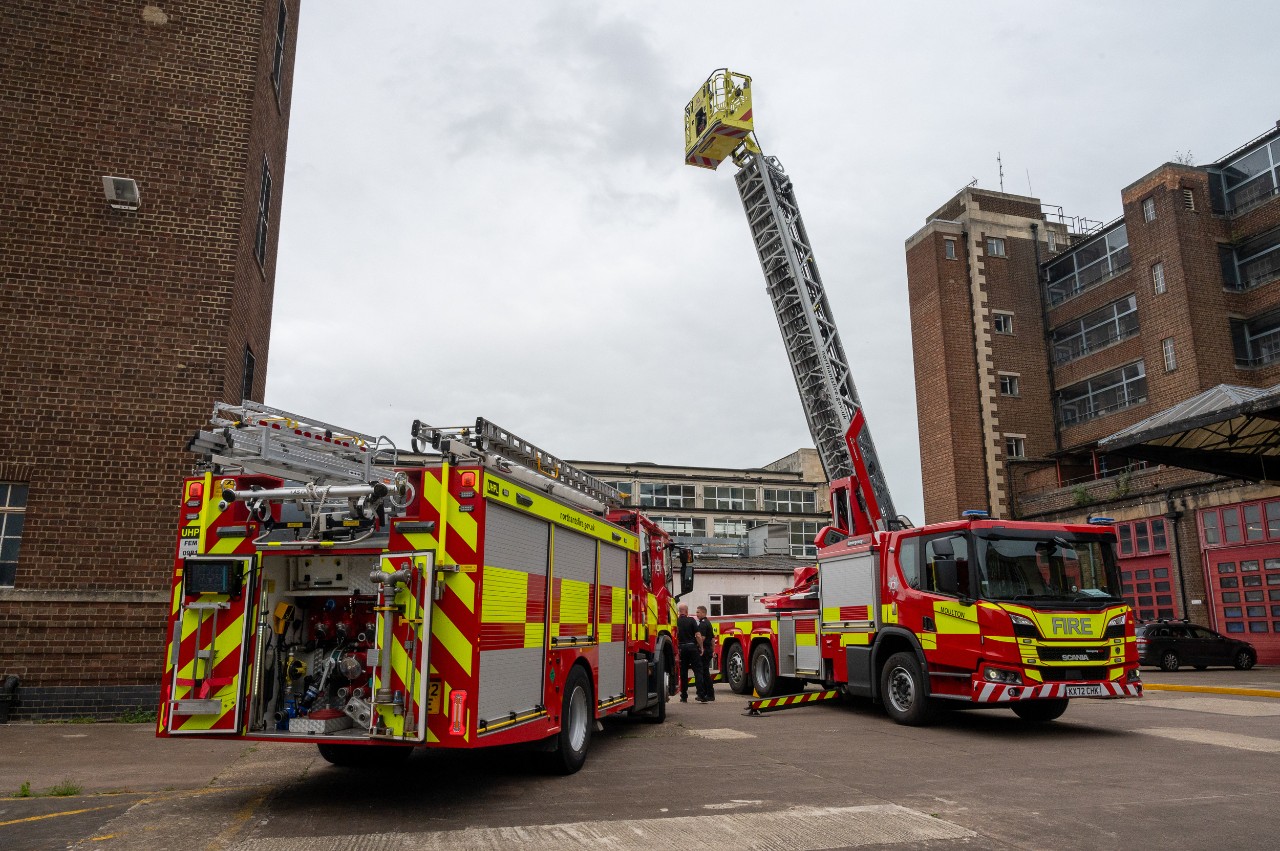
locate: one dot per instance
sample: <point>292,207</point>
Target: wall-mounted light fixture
<point>121,192</point>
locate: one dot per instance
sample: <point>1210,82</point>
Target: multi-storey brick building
<point>122,323</point>
<point>1035,337</point>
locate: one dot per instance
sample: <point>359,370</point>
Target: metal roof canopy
<point>1227,430</point>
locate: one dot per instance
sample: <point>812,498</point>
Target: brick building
<point>121,326</point>
<point>1036,336</point>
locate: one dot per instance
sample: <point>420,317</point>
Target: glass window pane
<point>1158,544</point>
<point>1253,522</point>
<point>1126,539</point>
<point>1235,626</point>
<point>1248,566</point>
<point>1231,525</point>
<point>17,496</point>
<point>1231,596</point>
<point>1229,582</point>
<point>1140,535</point>
<point>1250,581</point>
<point>1209,519</point>
<point>1142,574</point>
<point>1258,626</point>
<point>1227,567</point>
<point>1253,596</point>
<point>1273,519</point>
<point>1232,612</point>
<point>1160,573</point>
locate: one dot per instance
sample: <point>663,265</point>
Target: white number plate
<point>1085,691</point>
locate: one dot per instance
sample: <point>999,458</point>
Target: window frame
<point>1149,209</point>
<point>1170,355</point>
<point>1010,385</point>
<point>1157,277</point>
<point>14,498</point>
<point>277,57</point>
<point>264,215</point>
<point>949,249</point>
<point>996,317</point>
<point>1015,446</point>
<point>649,496</point>
<point>996,247</point>
<point>784,505</point>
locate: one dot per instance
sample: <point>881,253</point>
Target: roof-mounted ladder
<point>498,448</point>
<point>268,440</point>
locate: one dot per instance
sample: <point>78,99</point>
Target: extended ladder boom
<point>719,124</point>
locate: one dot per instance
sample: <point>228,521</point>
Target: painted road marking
<point>56,815</point>
<point>1214,737</point>
<point>1214,705</point>
<point>732,805</point>
<point>721,733</point>
<point>1243,692</point>
<point>796,829</point>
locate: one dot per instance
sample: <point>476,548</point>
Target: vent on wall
<point>121,192</point>
<point>1189,199</point>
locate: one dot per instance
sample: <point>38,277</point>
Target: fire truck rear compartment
<point>317,648</point>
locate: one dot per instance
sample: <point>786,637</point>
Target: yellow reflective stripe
<point>535,634</point>
<point>505,492</point>
<point>575,605</point>
<point>505,597</point>
<point>851,639</point>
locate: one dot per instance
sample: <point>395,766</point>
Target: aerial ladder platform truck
<point>978,611</point>
<point>329,590</point>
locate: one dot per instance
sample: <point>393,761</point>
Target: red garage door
<point>1242,573</point>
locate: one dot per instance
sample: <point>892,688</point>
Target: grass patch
<point>82,719</point>
<point>24,791</point>
<point>137,715</point>
<point>65,789</point>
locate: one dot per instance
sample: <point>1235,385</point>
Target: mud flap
<point>400,688</point>
<point>207,652</point>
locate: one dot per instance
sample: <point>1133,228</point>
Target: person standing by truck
<point>708,635</point>
<point>690,641</point>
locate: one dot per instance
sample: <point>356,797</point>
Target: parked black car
<point>1171,645</point>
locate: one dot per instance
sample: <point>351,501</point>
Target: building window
<point>1002,322</point>
<point>277,61</point>
<point>995,247</point>
<point>666,496</point>
<point>802,534</point>
<point>1170,359</point>
<point>789,501</point>
<point>1249,179</point>
<point>1103,394</point>
<point>1052,239</point>
<point>1252,263</point>
<point>622,487</point>
<point>729,528</point>
<point>1015,446</point>
<point>13,511</point>
<point>1099,259</point>
<point>1149,210</point>
<point>727,604</point>
<point>1257,340</point>
<point>264,215</point>
<point>246,374</point>
<point>1157,278</point>
<point>729,499</point>
<point>683,527</point>
<point>1096,330</point>
<point>950,248</point>
<point>1008,384</point>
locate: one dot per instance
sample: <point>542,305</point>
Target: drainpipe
<point>1171,517</point>
<point>8,697</point>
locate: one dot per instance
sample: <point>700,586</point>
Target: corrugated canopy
<point>1226,430</point>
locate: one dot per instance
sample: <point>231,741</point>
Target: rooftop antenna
<point>1000,165</point>
<point>1029,190</point>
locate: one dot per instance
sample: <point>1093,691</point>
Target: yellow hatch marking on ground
<point>1246,692</point>
<point>238,821</point>
<point>55,815</point>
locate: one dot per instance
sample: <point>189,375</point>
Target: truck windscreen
<point>1047,570</point>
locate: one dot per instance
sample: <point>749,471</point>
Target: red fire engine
<point>481,592</point>
<point>977,611</point>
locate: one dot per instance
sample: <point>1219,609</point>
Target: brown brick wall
<point>122,328</point>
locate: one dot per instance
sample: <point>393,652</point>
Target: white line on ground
<point>721,733</point>
<point>794,829</point>
<point>1214,705</point>
<point>1214,737</point>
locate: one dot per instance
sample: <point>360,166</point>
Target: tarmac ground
<point>1190,765</point>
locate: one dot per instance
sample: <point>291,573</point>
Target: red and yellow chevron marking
<point>613,613</point>
<point>454,653</point>
<point>846,613</point>
<point>572,608</point>
<point>212,677</point>
<point>806,632</point>
<point>769,704</point>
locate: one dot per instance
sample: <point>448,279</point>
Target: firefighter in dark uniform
<point>708,648</point>
<point>690,641</point>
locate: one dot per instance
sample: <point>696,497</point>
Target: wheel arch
<point>892,640</point>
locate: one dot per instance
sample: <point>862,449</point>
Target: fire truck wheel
<point>658,714</point>
<point>735,670</point>
<point>1040,711</point>
<point>668,656</point>
<point>576,723</point>
<point>764,672</point>
<point>364,756</point>
<point>902,690</point>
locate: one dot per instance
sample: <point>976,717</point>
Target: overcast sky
<point>486,210</point>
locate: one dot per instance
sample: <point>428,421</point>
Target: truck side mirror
<point>686,571</point>
<point>946,575</point>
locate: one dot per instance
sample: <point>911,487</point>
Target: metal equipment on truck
<point>976,611</point>
<point>481,592</point>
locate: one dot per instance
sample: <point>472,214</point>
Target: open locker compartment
<point>341,647</point>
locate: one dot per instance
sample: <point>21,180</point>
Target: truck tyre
<point>764,671</point>
<point>1170,661</point>
<point>577,720</point>
<point>902,690</point>
<point>658,714</point>
<point>1040,711</point>
<point>364,756</point>
<point>735,670</point>
<point>669,667</point>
